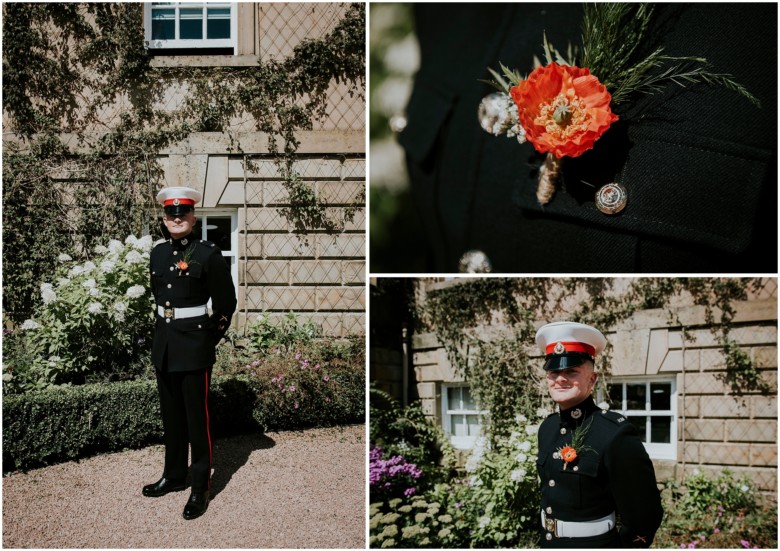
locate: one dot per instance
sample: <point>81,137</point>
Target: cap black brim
<point>178,210</point>
<point>559,362</point>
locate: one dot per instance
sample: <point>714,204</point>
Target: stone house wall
<point>319,275</point>
<point>715,428</point>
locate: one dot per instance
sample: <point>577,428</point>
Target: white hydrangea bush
<point>94,316</point>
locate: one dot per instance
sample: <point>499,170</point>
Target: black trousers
<point>185,416</point>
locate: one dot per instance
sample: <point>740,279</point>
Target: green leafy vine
<point>487,328</point>
<point>73,177</point>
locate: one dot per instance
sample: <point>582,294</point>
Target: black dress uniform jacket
<point>188,344</point>
<point>616,475</point>
<point>699,165</point>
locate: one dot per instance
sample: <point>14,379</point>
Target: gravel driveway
<point>279,490</point>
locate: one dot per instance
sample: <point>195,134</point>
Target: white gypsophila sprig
<point>89,266</point>
<point>29,325</point>
<point>521,458</point>
<point>75,271</point>
<point>531,429</point>
<point>53,360</point>
<point>89,284</point>
<point>524,446</point>
<point>100,249</point>
<point>95,308</point>
<point>63,257</point>
<point>131,240</point>
<point>135,291</point>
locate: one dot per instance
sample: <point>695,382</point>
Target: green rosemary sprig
<point>578,438</point>
<point>612,34</point>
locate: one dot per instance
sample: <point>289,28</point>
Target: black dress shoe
<point>196,505</point>
<point>163,486</point>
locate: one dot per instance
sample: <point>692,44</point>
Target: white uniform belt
<point>570,529</point>
<point>180,313</point>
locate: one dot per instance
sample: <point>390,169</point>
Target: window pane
<point>641,425</point>
<point>660,396</point>
<point>635,396</point>
<point>218,23</point>
<point>458,426</point>
<point>191,23</point>
<point>218,232</point>
<point>453,398</point>
<point>661,430</point>
<point>468,400</point>
<point>163,24</point>
<point>616,397</point>
<point>473,421</point>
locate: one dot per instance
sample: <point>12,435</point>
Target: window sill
<point>204,60</point>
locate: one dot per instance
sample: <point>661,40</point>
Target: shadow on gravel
<point>230,454</point>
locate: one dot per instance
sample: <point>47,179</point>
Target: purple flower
<point>716,531</point>
<point>255,363</point>
<point>410,492</point>
<point>296,405</point>
<point>297,355</point>
<point>745,544</point>
<point>683,546</point>
<point>291,388</point>
<point>326,378</point>
<point>458,505</point>
<point>316,366</point>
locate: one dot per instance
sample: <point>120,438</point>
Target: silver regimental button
<point>611,198</point>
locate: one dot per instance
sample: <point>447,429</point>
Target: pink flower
<point>297,355</point>
<point>292,388</point>
<point>326,378</point>
<point>716,531</point>
<point>296,405</point>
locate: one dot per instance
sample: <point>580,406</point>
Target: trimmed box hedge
<point>60,424</point>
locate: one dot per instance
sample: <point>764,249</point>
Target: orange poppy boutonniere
<point>182,265</point>
<point>571,453</point>
<point>563,107</point>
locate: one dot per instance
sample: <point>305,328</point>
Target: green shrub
<point>717,513</point>
<point>407,432</point>
<point>94,322</point>
<point>61,423</point>
<point>494,506</point>
<point>263,334</point>
<point>322,383</point>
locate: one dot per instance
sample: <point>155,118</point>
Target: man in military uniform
<point>186,272</point>
<point>597,481</point>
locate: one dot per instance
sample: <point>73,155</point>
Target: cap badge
<point>559,348</point>
<point>175,201</point>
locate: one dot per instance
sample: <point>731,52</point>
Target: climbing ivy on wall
<point>71,177</point>
<point>487,328</point>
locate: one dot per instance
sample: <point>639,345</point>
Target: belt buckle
<point>551,525</point>
<point>168,313</point>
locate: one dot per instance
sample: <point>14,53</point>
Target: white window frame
<point>656,450</point>
<point>458,442</point>
<point>203,214</point>
<point>179,43</point>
